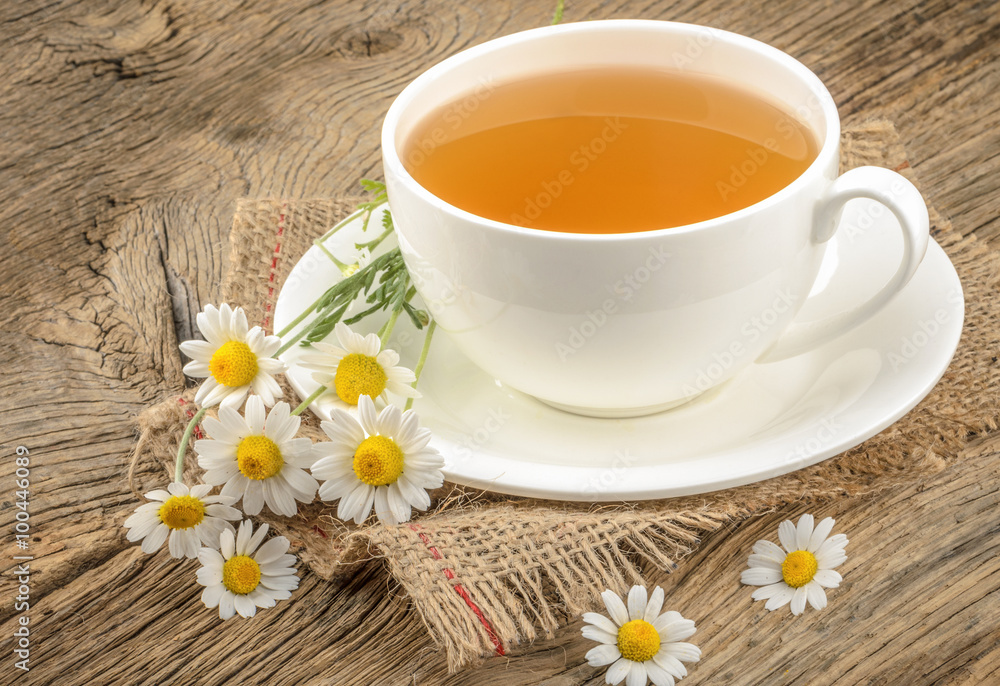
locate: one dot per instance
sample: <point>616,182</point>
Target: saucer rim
<point>502,474</point>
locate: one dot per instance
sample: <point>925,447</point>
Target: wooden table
<point>129,128</point>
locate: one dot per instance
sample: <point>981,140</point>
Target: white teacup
<point>627,324</point>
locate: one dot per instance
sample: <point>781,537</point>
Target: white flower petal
<point>271,550</point>
<point>244,606</point>
<point>786,534</point>
<point>616,608</point>
<point>601,622</point>
<point>382,509</point>
<point>799,600</point>
<point>414,495</point>
<point>658,675</point>
<point>212,594</point>
<point>688,652</point>
<point>834,544</point>
<point>677,630</point>
<point>155,538</point>
<point>389,420</point>
<point>227,544</point>
<point>243,537</point>
<point>257,538</point>
<point>366,413</point>
<point>666,619</point>
<point>253,496</point>
<point>637,599</point>
<point>337,489</point>
<point>201,351</point>
<point>780,597</point>
<point>820,533</point>
<point>760,576</point>
<point>654,605</point>
<point>227,607</point>
<point>828,578</point>
<point>668,663</point>
<point>601,655</point>
<point>815,595</point>
<point>401,509</point>
<point>594,633</point>
<point>636,675</point>
<point>618,671</point>
<point>352,506</point>
<point>254,413</point>
<point>803,532</point>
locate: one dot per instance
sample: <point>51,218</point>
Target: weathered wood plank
<point>918,605</point>
<point>128,129</point>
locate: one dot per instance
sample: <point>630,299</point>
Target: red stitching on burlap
<point>460,590</point>
<point>274,266</point>
<point>190,414</point>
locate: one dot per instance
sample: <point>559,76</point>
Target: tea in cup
<point>615,216</point>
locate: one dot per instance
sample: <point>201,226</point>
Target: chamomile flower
<point>186,518</point>
<point>639,642</point>
<point>383,460</point>
<point>358,367</point>
<point>233,359</point>
<point>258,458</point>
<point>801,571</point>
<point>362,260</point>
<point>244,575</point>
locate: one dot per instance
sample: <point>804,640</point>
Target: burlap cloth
<point>486,570</point>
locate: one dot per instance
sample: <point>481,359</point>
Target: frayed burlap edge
<point>486,571</point>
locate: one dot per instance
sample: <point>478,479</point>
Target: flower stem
<point>308,401</point>
<point>558,16</point>
<point>340,265</point>
<point>305,313</point>
<point>182,448</point>
<point>337,227</point>
<point>291,341</point>
<point>390,324</point>
<point>374,243</point>
<point>422,360</point>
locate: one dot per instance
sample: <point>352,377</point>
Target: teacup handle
<point>904,201</point>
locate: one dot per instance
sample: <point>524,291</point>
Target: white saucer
<point>769,420</point>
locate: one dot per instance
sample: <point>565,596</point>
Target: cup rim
<point>827,148</point>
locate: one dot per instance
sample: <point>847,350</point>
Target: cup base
<point>621,412</point>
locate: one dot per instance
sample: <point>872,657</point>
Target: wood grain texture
<point>129,129</point>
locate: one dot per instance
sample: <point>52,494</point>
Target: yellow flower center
<point>359,375</point>
<point>241,574</point>
<point>799,568</point>
<point>233,364</point>
<point>182,512</point>
<point>378,461</point>
<point>258,458</point>
<point>638,641</point>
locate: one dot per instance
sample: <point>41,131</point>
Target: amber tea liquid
<point>608,150</point>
